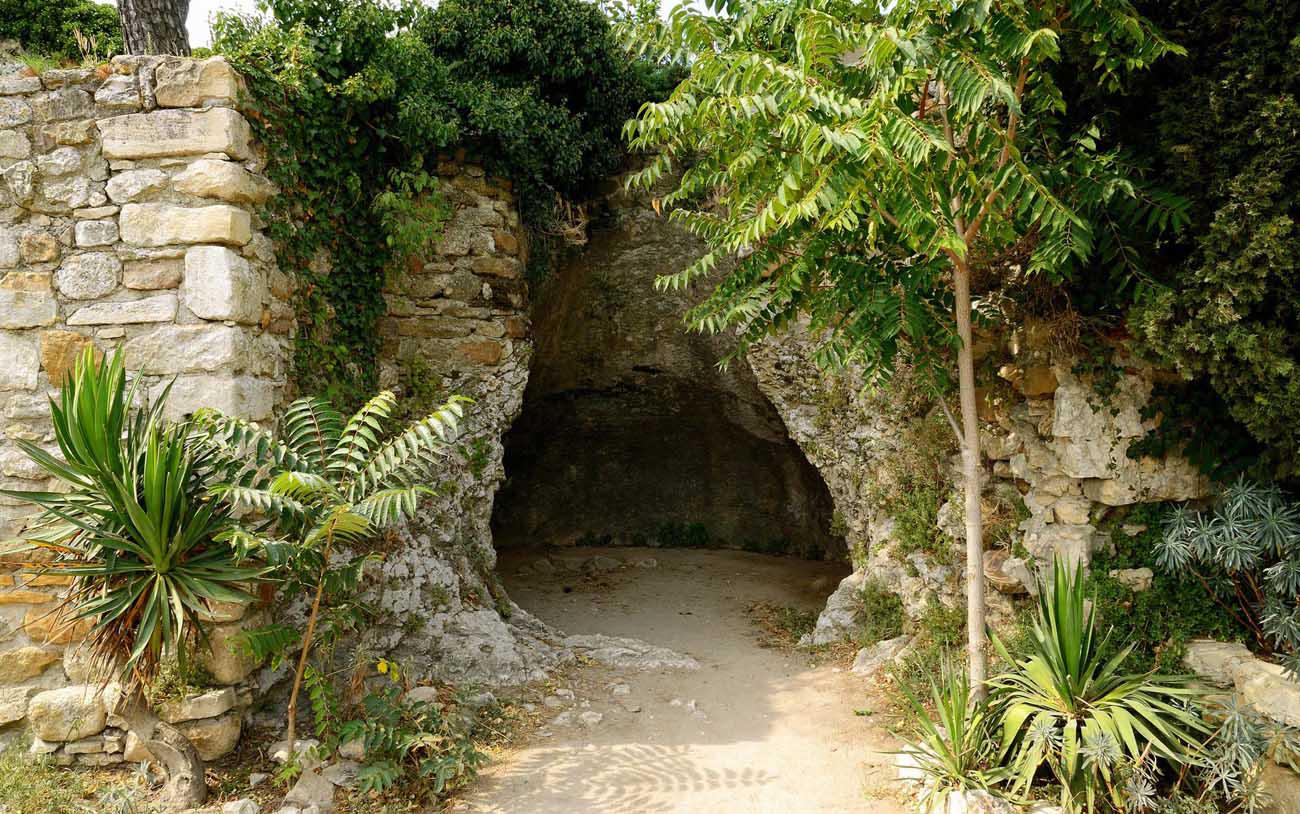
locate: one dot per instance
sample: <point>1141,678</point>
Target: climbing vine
<point>356,100</point>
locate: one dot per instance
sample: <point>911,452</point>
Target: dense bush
<point>1218,303</point>
<point>357,98</point>
<point>47,27</point>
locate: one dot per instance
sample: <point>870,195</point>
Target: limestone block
<point>213,737</point>
<point>193,707</point>
<point>67,714</point>
<point>159,308</point>
<point>210,178</point>
<point>14,144</point>
<point>95,744</point>
<point>221,285</point>
<point>1282,789</point>
<point>1070,543</point>
<point>163,224</point>
<point>195,83</point>
<point>1072,509</point>
<point>1216,662</point>
<point>88,276</point>
<point>164,133</point>
<point>11,84</point>
<point>73,192</point>
<point>74,132</point>
<point>62,161</point>
<point>223,658</point>
<point>62,104</point>
<point>13,703</point>
<point>60,351</point>
<point>25,663</point>
<point>26,308</point>
<point>1266,688</point>
<point>38,247</point>
<point>21,361</point>
<point>171,349</point>
<point>1149,480</point>
<point>16,464</point>
<point>1135,579</point>
<point>125,187</point>
<point>234,395</point>
<point>51,627</point>
<point>20,178</point>
<point>8,250</point>
<point>870,660</point>
<point>92,233</point>
<point>152,274</point>
<point>1092,432</point>
<point>839,619</point>
<point>108,210</point>
<point>14,112</point>
<point>134,750</point>
<point>118,92</point>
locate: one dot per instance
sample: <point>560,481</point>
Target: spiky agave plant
<point>955,748</point>
<point>133,525</point>
<point>1067,705</point>
<point>316,479</point>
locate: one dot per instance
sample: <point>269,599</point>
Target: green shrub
<point>882,613</point>
<point>46,27</point>
<point>320,483</point>
<point>409,741</point>
<point>913,484</point>
<point>1216,127</point>
<point>1160,621</point>
<point>1251,539</point>
<point>956,749</point>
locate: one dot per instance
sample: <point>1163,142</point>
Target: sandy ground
<point>753,731</point>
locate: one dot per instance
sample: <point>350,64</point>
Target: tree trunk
<point>155,26</point>
<point>970,459</point>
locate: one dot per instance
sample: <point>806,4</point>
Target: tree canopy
<point>842,158</point>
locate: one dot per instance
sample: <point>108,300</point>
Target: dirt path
<point>754,730</point>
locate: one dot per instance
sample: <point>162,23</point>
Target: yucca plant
<point>316,480</point>
<point>1067,706</point>
<point>956,749</point>
<point>134,524</point>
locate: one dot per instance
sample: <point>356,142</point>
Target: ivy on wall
<point>355,100</point>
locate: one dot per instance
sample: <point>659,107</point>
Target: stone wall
<point>127,219</point>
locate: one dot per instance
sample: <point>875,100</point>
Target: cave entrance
<point>629,433</point>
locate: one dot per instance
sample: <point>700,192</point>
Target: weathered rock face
<point>458,320</point>
<point>629,426</point>
<point>1049,439</point>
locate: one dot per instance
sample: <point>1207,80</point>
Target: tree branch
<point>1013,120</point>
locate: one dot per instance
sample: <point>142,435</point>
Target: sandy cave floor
<point>754,731</point>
